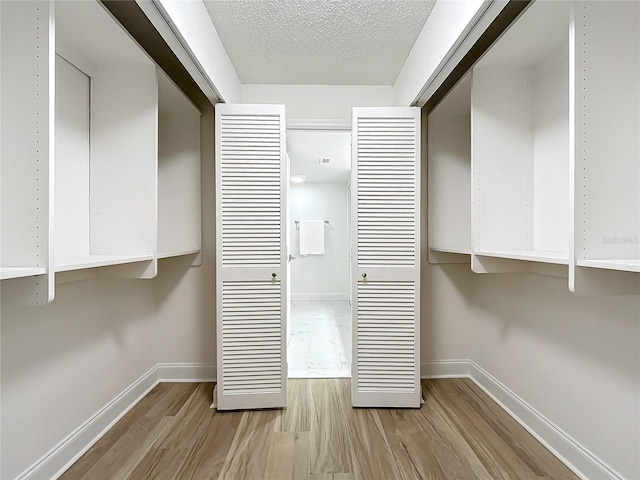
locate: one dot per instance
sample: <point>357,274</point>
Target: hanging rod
<point>326,222</point>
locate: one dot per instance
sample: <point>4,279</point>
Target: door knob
<point>364,275</point>
<point>291,257</point>
<point>273,275</point>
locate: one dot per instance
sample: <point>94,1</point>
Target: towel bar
<point>326,222</point>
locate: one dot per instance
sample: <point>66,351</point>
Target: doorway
<point>319,329</point>
<point>254,245</point>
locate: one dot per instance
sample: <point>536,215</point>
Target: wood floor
<point>459,433</point>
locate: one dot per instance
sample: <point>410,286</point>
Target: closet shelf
<point>559,258</point>
<point>524,99</point>
<point>459,251</point>
<point>449,177</point>
<point>19,272</point>
<point>624,265</point>
<point>178,254</point>
<point>65,264</point>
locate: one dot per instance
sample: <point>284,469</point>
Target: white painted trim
<point>55,462</point>
<point>327,297</point>
<point>315,124</point>
<point>568,450</point>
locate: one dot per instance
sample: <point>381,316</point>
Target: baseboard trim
<point>579,459</point>
<point>55,462</point>
<point>320,296</point>
<point>575,456</point>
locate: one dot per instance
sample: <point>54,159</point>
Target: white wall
<point>319,102</point>
<point>62,363</point>
<point>185,296</point>
<point>306,147</point>
<point>574,359</point>
<point>320,276</point>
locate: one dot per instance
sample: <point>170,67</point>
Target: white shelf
<point>179,180</point>
<point>606,186</point>
<point>106,143</point>
<point>178,254</point>
<point>80,71</point>
<point>541,256</point>
<point>449,174</point>
<point>65,264</point>
<point>520,156</point>
<point>458,251</point>
<point>624,265</point>
<point>554,151</point>
<point>19,272</point>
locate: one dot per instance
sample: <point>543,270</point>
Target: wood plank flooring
<point>459,433</point>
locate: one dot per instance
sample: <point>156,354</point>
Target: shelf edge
<point>7,273</point>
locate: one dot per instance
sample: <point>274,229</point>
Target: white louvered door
<point>251,256</point>
<point>385,209</point>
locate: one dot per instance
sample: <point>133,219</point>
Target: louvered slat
<point>251,273</point>
<point>386,329</point>
<point>252,346</point>
<point>250,166</point>
<point>386,182</point>
<point>386,269</point>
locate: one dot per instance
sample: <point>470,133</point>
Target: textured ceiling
<point>319,42</point>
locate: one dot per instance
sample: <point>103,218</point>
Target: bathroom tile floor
<point>320,342</point>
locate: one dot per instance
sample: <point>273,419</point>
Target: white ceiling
<point>306,148</point>
<point>318,42</point>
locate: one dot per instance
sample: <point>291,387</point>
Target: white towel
<point>311,237</point>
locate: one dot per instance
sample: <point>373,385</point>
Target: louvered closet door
<point>385,207</point>
<point>251,260</point>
